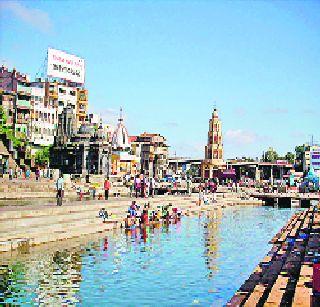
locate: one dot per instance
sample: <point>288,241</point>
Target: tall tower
<point>214,149</point>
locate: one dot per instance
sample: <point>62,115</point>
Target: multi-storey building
<point>7,102</point>
<point>153,152</point>
<point>82,106</point>
<point>67,96</point>
<point>311,157</point>
<point>15,100</point>
<point>22,110</point>
<point>213,161</point>
<point>43,122</point>
<point>9,80</point>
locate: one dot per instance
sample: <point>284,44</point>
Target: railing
<point>23,89</point>
<point>23,103</point>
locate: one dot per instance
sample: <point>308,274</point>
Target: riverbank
<point>26,226</point>
<point>285,275</point>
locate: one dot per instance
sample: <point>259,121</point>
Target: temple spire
<point>120,118</point>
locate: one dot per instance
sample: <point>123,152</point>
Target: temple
<point>122,161</point>
<point>213,162</point>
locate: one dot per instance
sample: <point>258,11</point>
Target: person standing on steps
<point>106,188</point>
<point>10,173</point>
<point>60,190</point>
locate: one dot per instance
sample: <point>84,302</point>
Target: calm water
<point>199,261</point>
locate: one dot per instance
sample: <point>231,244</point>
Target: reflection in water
<point>159,264</point>
<point>52,279</point>
<point>211,236</point>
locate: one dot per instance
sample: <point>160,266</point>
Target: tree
<point>299,152</point>
<point>42,156</point>
<point>270,155</point>
<point>7,130</point>
<point>290,157</point>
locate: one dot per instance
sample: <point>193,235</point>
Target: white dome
<point>120,138</point>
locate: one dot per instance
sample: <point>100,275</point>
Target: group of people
<point>26,173</point>
<point>143,186</point>
<point>144,216</point>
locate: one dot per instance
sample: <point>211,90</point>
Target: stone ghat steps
<point>32,226</point>
<point>284,277</point>
<point>23,195</point>
<point>13,224</point>
<point>34,231</point>
<point>77,206</point>
<point>69,231</point>
<point>30,185</point>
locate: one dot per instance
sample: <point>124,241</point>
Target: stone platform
<point>284,277</point>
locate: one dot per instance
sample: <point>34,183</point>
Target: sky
<point>169,63</point>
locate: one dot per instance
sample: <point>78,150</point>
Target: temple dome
<point>86,129</point>
<point>100,134</point>
<point>120,137</point>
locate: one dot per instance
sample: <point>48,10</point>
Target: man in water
<point>60,190</point>
<point>103,214</point>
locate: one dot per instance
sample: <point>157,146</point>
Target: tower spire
<point>214,105</point>
<point>120,118</point>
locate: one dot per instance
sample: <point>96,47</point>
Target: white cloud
<point>108,115</point>
<point>277,110</point>
<point>239,111</point>
<point>35,17</point>
<point>241,137</point>
<point>171,124</point>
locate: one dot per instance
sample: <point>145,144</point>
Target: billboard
<point>65,66</point>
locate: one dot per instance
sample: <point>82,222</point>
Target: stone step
<point>68,208</point>
<point>66,233</point>
<point>15,224</point>
<point>31,232</point>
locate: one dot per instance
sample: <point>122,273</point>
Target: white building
<point>67,96</point>
<point>43,116</point>
<point>311,157</point>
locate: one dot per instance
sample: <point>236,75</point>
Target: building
<point>123,162</point>
<point>84,151</point>
<point>311,157</point>
<point>82,106</point>
<point>213,162</point>
<point>22,110</point>
<point>315,159</point>
<point>43,123</point>
<point>9,80</point>
<point>153,152</point>
<point>256,170</point>
<point>8,102</point>
<point>15,100</point>
<point>183,166</point>
<point>67,96</point>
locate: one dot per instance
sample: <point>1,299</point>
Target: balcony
<point>23,104</point>
<point>53,94</point>
<point>22,89</point>
<point>21,121</point>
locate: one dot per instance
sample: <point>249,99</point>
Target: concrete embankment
<point>284,277</point>
<point>30,225</point>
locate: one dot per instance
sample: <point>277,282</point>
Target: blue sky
<point>167,62</point>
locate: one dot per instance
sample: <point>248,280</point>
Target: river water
<point>201,260</point>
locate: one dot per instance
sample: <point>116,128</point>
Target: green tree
<point>42,156</point>
<point>290,157</point>
<point>270,155</point>
<point>8,131</point>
